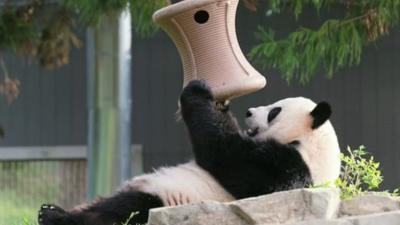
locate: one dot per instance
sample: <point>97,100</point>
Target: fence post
<point>109,103</point>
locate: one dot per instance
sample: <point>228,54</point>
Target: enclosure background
<point>366,99</point>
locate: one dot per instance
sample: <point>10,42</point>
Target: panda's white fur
<point>319,148</point>
<point>182,184</point>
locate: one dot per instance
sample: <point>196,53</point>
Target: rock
<point>296,207</point>
<point>280,207</point>
<point>367,204</point>
<point>323,222</point>
<point>289,206</point>
<point>210,213</point>
<point>387,218</point>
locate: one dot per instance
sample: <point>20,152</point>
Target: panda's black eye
<point>273,113</point>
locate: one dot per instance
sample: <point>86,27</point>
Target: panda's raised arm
<point>200,111</point>
<point>208,125</point>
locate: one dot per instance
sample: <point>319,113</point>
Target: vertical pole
<point>90,75</point>
<point>109,103</point>
<point>124,93</point>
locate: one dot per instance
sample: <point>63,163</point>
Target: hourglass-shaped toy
<point>204,33</point>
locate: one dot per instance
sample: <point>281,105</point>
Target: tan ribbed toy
<point>204,33</point>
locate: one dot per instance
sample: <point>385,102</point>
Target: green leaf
<point>92,11</point>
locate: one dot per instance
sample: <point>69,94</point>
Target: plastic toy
<point>205,34</point>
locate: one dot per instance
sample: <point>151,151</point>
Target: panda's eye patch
<point>274,113</point>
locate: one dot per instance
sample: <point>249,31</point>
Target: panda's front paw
<point>53,215</point>
<point>197,88</point>
<point>222,106</point>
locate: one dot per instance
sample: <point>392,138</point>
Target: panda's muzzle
<point>252,132</point>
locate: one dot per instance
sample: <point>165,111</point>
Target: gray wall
<point>51,109</point>
<point>366,99</point>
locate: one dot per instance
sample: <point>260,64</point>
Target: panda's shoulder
<point>280,148</point>
<point>270,142</point>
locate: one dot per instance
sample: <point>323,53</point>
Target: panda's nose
<point>248,113</point>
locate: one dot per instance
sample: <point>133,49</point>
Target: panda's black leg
<point>107,211</point>
<point>53,215</point>
<point>118,208</point>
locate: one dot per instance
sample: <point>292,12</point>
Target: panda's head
<point>299,120</point>
<point>287,120</point>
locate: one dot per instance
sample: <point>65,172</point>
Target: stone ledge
<point>368,204</point>
<point>280,207</point>
<point>296,207</point>
<point>387,218</point>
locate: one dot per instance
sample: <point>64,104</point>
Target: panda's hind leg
<point>106,211</point>
<point>53,215</point>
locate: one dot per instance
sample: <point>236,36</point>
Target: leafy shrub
<point>360,173</point>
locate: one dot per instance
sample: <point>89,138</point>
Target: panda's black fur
<point>243,166</point>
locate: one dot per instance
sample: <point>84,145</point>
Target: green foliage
<point>91,11</point>
<point>12,215</point>
<point>360,173</point>
<point>142,12</point>
<point>297,6</point>
<point>48,32</point>
<point>28,222</point>
<point>305,50</point>
<point>16,213</point>
<point>14,30</point>
<point>336,44</point>
<point>396,192</point>
<point>24,186</point>
<point>127,222</point>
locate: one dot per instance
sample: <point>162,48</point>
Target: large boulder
<point>277,208</point>
<point>368,204</point>
<point>387,218</point>
<point>295,207</point>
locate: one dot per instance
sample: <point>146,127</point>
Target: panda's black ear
<point>320,114</point>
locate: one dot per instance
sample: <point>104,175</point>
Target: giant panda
<point>289,144</point>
